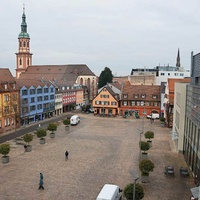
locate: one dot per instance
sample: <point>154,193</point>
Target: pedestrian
<point>25,147</point>
<point>41,176</point>
<point>66,155</point>
<point>41,184</point>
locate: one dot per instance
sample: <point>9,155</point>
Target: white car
<point>153,116</point>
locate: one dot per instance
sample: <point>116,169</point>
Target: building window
<point>143,96</point>
<point>155,103</point>
<point>52,90</point>
<point>132,103</point>
<point>32,91</point>
<point>39,106</point>
<point>27,61</point>
<point>142,103</point>
<point>46,90</point>
<point>46,98</point>
<point>24,110</point>
<point>20,61</point>
<point>14,85</point>
<point>39,91</point>
<point>162,74</point>
<point>24,44</point>
<point>6,86</point>
<point>39,99</point>
<point>51,97</point>
<point>113,103</point>
<point>138,103</point>
<point>124,103</point>
<point>20,44</point>
<point>6,97</point>
<point>27,44</point>
<point>97,102</point>
<point>125,96</point>
<point>32,108</point>
<point>6,109</point>
<point>24,92</point>
<point>147,103</point>
<point>154,96</point>
<point>168,74</point>
<point>0,124</point>
<point>14,97</point>
<point>136,96</point>
<point>32,100</point>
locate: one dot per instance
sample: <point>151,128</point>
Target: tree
<point>128,191</point>
<point>144,146</point>
<point>66,122</point>
<point>146,166</point>
<point>5,149</point>
<point>149,135</point>
<point>41,133</point>
<point>52,127</point>
<point>105,77</point>
<point>28,138</point>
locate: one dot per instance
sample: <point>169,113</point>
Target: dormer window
<point>154,96</point>
<point>136,96</point>
<point>6,86</point>
<point>13,85</point>
<point>143,96</point>
<point>125,96</point>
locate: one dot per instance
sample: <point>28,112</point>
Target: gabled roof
<point>147,90</point>
<point>114,95</point>
<point>62,73</point>
<point>6,76</point>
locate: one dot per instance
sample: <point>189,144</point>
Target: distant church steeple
<point>23,57</point>
<point>178,64</point>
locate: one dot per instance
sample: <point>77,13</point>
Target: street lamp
<point>140,143</point>
<point>135,179</point>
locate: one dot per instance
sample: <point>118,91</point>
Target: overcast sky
<point>117,34</point>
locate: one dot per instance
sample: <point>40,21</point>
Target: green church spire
<point>23,33</point>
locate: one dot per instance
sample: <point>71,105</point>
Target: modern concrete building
<point>191,140</point>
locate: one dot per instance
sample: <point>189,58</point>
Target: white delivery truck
<point>110,192</point>
<point>74,120</point>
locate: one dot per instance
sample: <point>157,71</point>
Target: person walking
<point>66,155</point>
<point>41,184</point>
<point>41,176</point>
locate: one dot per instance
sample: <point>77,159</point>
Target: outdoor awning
<point>195,192</point>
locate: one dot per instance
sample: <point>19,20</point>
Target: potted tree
<point>162,121</point>
<point>149,135</point>
<point>67,123</point>
<point>41,133</point>
<point>28,138</point>
<point>52,128</point>
<point>4,150</point>
<point>144,146</point>
<point>145,166</point>
<point>128,191</point>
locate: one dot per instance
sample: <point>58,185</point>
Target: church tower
<point>178,64</point>
<point>23,57</point>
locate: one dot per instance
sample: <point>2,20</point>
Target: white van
<point>153,116</point>
<point>110,192</point>
<point>74,120</point>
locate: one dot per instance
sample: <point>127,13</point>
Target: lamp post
<point>135,179</point>
<point>140,144</point>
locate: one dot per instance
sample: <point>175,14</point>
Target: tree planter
<point>52,135</point>
<point>5,159</point>
<point>162,124</point>
<point>150,143</point>
<point>144,179</point>
<point>67,128</point>
<point>42,141</point>
<point>28,148</point>
<point>144,156</point>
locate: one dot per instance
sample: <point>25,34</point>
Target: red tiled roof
<point>148,90</point>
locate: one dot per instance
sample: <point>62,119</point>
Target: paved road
<point>101,150</point>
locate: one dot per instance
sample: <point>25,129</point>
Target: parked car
<point>110,192</point>
<point>74,120</point>
<point>91,110</point>
<point>153,116</point>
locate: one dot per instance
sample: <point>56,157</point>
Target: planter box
<point>150,143</point>
<point>28,148</point>
<point>144,179</point>
<point>5,159</point>
<point>42,141</point>
<point>67,128</point>
<point>144,156</point>
<point>52,135</point>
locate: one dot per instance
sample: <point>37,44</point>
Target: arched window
<point>24,44</point>
<point>27,44</point>
<point>20,61</point>
<point>20,44</point>
<point>28,62</point>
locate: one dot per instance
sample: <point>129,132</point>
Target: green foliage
<point>66,122</point>
<point>41,133</point>
<point>105,77</point>
<point>52,127</point>
<point>144,146</point>
<point>5,149</point>
<point>149,135</point>
<point>28,138</point>
<point>146,166</point>
<point>128,191</point>
<point>162,119</point>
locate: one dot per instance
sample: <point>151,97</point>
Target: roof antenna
<point>23,8</point>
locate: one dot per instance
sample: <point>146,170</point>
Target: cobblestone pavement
<point>101,150</point>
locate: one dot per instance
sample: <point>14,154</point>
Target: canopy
<point>195,192</point>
